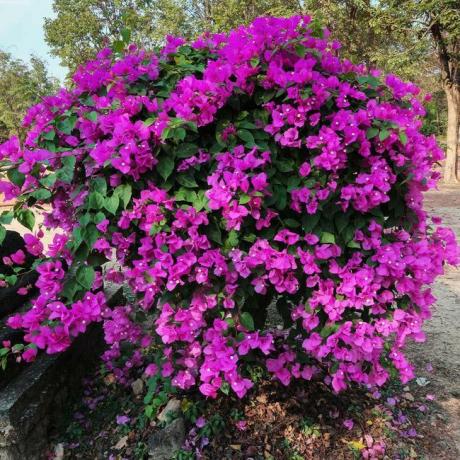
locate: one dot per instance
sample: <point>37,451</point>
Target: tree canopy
<point>82,27</point>
<point>21,85</point>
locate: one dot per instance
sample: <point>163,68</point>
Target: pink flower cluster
<point>262,172</point>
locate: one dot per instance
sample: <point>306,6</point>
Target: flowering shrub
<point>231,177</point>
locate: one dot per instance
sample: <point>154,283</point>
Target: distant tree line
<point>21,85</point>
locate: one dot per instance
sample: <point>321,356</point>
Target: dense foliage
<point>21,86</point>
<point>262,199</point>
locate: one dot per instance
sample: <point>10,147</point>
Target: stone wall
<point>34,397</point>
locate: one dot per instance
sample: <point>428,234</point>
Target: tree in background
<point>441,20</point>
<point>81,27</point>
<point>217,15</point>
<point>21,85</point>
<point>417,39</point>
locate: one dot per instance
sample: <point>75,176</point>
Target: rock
<point>173,406</point>
<point>138,387</point>
<point>59,451</point>
<point>122,443</point>
<point>164,443</point>
<point>408,397</point>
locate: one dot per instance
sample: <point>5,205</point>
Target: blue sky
<point>21,31</point>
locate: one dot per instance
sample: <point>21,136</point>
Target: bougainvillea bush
<point>261,197</point>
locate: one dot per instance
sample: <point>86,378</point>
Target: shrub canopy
<point>262,199</point>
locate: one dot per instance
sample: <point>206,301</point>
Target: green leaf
<point>384,134</point>
<point>186,150</point>
<point>124,192</point>
<point>85,276</point>
<point>26,218</point>
<point>92,116</point>
<point>292,223</point>
<point>250,237</point>
<point>293,182</point>
<point>69,289</point>
<point>49,180</point>
<point>247,321</point>
<point>246,125</point>
<point>165,166</point>
<point>6,217</point>
<point>50,135</point>
<point>99,184</point>
<point>112,203</point>
<point>179,134</point>
<point>41,194</point>
<point>373,82</point>
<point>185,194</point>
<point>403,137</point>
<point>97,218</point>
<point>327,238</point>
<point>353,244</point>
<point>89,101</point>
<point>246,136</point>
<point>244,199</point>
<point>225,388</point>
<point>214,232</point>
<point>300,50</point>
<point>81,254</point>
<point>348,233</point>
<point>200,201</point>
<point>155,228</point>
<point>280,197</point>
<point>149,410</point>
<point>341,221</point>
<point>65,174</point>
<point>372,132</point>
<point>2,233</point>
<point>309,222</point>
<point>186,180</point>
<point>85,219</point>
<point>67,125</point>
<point>16,177</point>
<point>11,280</point>
<point>255,61</point>
<point>90,234</point>
<point>285,165</point>
<point>232,240</point>
<point>149,121</point>
<point>17,347</point>
<point>328,330</point>
<point>95,200</point>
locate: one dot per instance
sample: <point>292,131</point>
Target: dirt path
<point>442,348</point>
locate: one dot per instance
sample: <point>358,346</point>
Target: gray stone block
<point>163,444</point>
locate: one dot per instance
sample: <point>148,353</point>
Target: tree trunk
<point>453,125</point>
